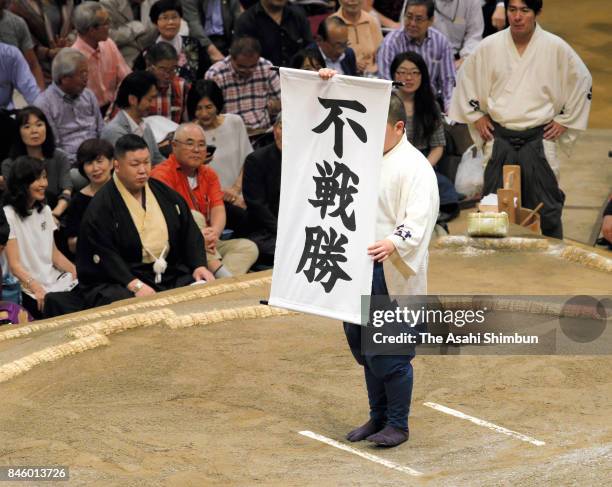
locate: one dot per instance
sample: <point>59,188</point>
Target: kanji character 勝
<point>335,110</point>
<point>323,253</point>
<point>337,183</point>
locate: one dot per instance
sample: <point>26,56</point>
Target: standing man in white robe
<point>525,93</point>
<point>408,203</point>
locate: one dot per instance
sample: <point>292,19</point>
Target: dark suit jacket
<point>348,64</point>
<point>261,184</point>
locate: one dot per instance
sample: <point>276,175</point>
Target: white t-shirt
<point>34,235</point>
<point>233,145</point>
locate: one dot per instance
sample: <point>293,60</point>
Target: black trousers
<point>538,181</point>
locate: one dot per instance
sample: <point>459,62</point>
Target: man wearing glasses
<point>333,43</point>
<point>172,90</point>
<point>419,36</point>
<point>187,172</point>
<point>250,87</point>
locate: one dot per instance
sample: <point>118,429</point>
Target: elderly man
<point>261,190</point>
<point>187,173</point>
<point>525,93</point>
<point>172,90</point>
<point>135,96</point>
<point>364,34</point>
<point>212,23</point>
<point>332,40</point>
<point>71,108</point>
<point>462,23</point>
<point>127,28</point>
<point>250,87</point>
<point>137,236</point>
<point>106,64</point>
<point>419,36</point>
<point>281,29</point>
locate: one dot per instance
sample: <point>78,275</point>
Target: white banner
<point>333,134</point>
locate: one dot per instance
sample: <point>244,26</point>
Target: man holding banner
<point>407,211</point>
<point>325,268</point>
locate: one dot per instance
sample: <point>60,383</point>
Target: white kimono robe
<point>408,204</point>
<point>548,82</point>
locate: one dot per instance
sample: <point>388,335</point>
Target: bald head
<point>189,147</point>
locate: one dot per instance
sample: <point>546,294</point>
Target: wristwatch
<point>137,286</point>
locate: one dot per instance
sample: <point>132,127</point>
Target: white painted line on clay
<point>486,424</point>
<point>362,454</point>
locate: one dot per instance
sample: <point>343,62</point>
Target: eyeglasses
<point>192,144</point>
<point>417,20</point>
<point>408,74</point>
<point>169,18</point>
<point>167,71</point>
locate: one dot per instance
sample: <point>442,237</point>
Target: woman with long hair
<point>95,163</point>
<point>36,141</point>
<point>226,132</point>
<point>31,252</point>
<point>424,127</point>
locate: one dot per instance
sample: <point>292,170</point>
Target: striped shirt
<point>435,50</point>
<point>171,102</point>
<point>247,97</point>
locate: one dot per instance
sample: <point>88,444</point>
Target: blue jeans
<point>388,377</point>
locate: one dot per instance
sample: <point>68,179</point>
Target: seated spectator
<point>332,40</point>
<point>424,127</point>
<point>155,245</point>
<point>50,25</point>
<point>226,132</point>
<point>281,29</point>
<point>364,34</point>
<point>95,163</point>
<point>107,68</point>
<point>15,75</point>
<point>14,31</point>
<point>419,36</point>
<point>309,59</point>
<point>193,60</point>
<point>130,33</point>
<point>185,172</point>
<point>45,273</point>
<point>250,87</point>
<point>135,96</point>
<point>212,23</point>
<point>71,108</point>
<point>261,189</point>
<point>462,24</point>
<point>36,141</point>
<point>162,61</point>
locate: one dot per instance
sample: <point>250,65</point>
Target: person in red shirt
<point>186,171</point>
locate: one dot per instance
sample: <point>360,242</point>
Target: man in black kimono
<point>137,236</point>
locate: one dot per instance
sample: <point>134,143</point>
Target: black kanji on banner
<point>335,184</point>
<point>323,253</point>
<point>335,110</point>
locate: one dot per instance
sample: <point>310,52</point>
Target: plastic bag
<point>470,174</point>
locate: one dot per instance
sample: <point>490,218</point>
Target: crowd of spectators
<point>93,73</point>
